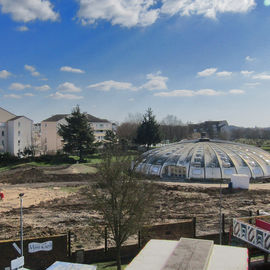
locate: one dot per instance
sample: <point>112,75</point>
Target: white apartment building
<point>100,126</point>
<point>51,142</point>
<point>15,132</point>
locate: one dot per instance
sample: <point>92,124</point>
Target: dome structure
<point>205,159</point>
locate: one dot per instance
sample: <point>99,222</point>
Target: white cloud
<point>129,13</point>
<point>250,59</point>
<point>237,91</point>
<point>59,95</point>
<point>131,99</point>
<point>246,73</point>
<point>22,28</point>
<point>70,69</point>
<point>126,13</point>
<point>19,86</point>
<point>224,74</point>
<point>12,96</point>
<point>29,10</point>
<point>176,93</point>
<point>29,95</point>
<point>201,92</point>
<point>108,85</point>
<point>208,92</point>
<point>261,76</point>
<point>252,84</point>
<point>68,87</point>
<point>44,87</point>
<point>155,82</point>
<point>207,8</point>
<point>4,74</point>
<point>207,72</point>
<point>32,69</point>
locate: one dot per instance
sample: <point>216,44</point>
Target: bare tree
<point>171,120</point>
<point>122,199</point>
<point>127,131</point>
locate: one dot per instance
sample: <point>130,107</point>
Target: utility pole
<point>21,222</point>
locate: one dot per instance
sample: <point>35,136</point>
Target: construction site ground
<point>55,202</point>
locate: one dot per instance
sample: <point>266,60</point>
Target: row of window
<point>3,133</point>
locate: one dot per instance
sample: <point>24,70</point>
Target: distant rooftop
<point>94,119</point>
<point>15,118</point>
<point>55,118</point>
<point>90,118</point>
<point>18,117</point>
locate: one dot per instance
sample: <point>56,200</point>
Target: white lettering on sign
<point>35,247</point>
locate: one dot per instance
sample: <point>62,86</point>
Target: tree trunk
<point>118,256</point>
<point>80,156</point>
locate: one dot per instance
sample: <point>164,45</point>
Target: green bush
<point>55,159</point>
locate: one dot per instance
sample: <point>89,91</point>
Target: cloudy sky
<point>196,59</point>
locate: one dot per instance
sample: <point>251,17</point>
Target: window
<point>101,125</point>
<point>19,133</point>
<point>19,124</point>
<point>19,142</point>
<point>3,143</point>
<point>3,133</point>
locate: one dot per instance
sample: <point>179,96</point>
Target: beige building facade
<point>51,142</point>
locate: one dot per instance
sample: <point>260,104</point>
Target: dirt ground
<point>56,203</point>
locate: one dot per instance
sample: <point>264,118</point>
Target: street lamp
<point>21,221</point>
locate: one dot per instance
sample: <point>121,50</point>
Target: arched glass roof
<point>205,159</point>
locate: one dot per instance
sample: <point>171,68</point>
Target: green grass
<point>33,163</point>
<point>7,168</point>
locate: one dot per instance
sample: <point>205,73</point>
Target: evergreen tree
<point>77,134</point>
<point>110,136</point>
<point>148,131</point>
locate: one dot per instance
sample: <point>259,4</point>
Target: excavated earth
<point>56,201</point>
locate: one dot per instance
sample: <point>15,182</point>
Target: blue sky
<point>196,59</point>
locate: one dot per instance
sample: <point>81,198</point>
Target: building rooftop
<point>94,119</point>
<point>18,117</point>
<point>90,118</point>
<point>55,118</point>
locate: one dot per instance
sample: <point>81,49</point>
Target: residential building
<point>51,142</point>
<point>15,132</point>
<point>212,128</point>
<point>100,126</point>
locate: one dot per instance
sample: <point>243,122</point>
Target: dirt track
<point>55,207</point>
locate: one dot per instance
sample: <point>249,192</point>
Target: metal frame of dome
<point>205,159</point>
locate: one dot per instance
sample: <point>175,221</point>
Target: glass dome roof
<point>205,159</point>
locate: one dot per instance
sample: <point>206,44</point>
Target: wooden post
<point>139,239</point>
<point>258,212</point>
<point>194,227</point>
<point>223,224</point>
<point>106,239</point>
<point>250,214</point>
<point>69,244</point>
